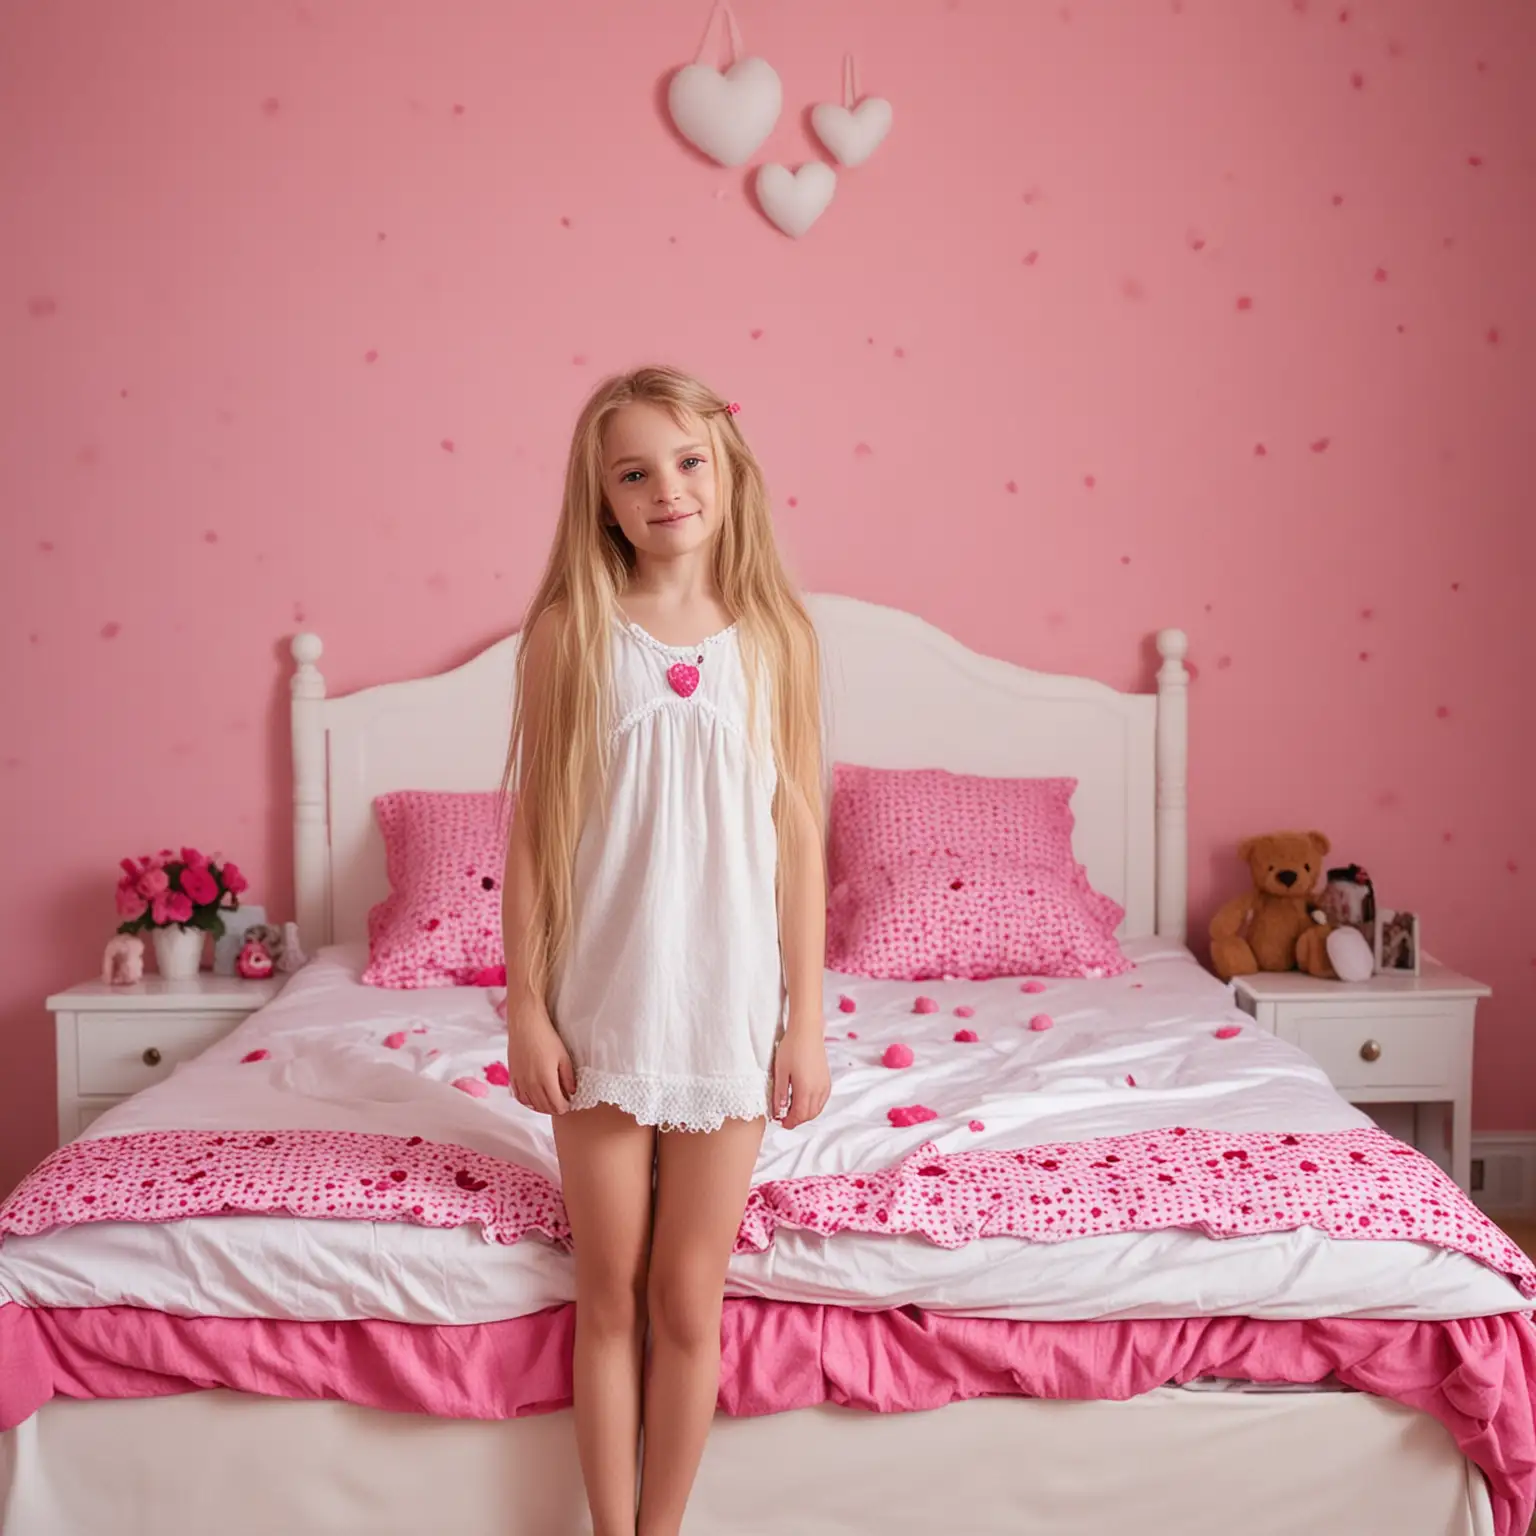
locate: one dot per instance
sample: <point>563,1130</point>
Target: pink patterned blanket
<point>1349,1184</point>
<point>1475,1377</point>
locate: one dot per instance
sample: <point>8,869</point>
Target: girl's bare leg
<point>702,1181</point>
<point>606,1171</point>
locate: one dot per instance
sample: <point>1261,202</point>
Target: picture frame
<point>1395,943</point>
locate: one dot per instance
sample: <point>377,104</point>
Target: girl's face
<point>660,481</point>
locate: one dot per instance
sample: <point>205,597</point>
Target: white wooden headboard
<point>900,694</point>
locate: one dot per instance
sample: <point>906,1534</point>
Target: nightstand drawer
<point>1361,1052</point>
<point>121,1053</point>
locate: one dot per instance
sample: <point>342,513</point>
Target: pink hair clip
<point>734,409</point>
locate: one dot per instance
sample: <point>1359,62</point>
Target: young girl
<point>664,904</point>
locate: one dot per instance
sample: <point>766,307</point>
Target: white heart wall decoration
<point>727,116</point>
<point>794,201</point>
<point>852,136</point>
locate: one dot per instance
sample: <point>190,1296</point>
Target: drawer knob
<point>1371,1051</point>
<point>152,1056</point>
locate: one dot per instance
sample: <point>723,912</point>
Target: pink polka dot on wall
<point>1031,257</point>
<point>458,109</point>
<point>862,450</point>
<point>210,536</point>
<point>565,222</point>
<point>1244,301</point>
<point>111,630</point>
<point>446,445</point>
<point>42,307</point>
<point>1442,712</point>
<point>1493,336</point>
<point>1512,865</point>
<point>271,106</point>
<point>1012,487</point>
<point>1381,274</point>
<point>1320,444</point>
<point>1357,80</point>
<point>1338,199</point>
<point>1367,614</point>
<point>371,355</point>
<point>1365,655</point>
<point>1475,161</point>
<point>299,614</point>
<point>899,352</point>
<point>579,361</point>
<point>756,333</point>
<point>1260,451</point>
<point>1223,663</point>
<point>1195,240</point>
<point>1089,481</point>
<point>793,501</point>
<point>45,546</point>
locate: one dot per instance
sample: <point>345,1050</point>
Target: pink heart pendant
<point>683,677</point>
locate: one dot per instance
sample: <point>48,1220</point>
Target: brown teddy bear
<point>1272,927</point>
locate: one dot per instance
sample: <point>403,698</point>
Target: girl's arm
<point>802,1081</point>
<point>538,1063</point>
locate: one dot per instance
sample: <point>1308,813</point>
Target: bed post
<point>311,830</point>
<point>1172,786</point>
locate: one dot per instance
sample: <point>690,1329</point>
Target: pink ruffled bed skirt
<point>1474,1376</point>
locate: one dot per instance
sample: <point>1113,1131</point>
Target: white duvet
<point>329,1068</point>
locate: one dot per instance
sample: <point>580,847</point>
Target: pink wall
<point>1214,313</point>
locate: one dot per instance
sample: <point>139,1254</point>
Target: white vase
<point>179,951</point>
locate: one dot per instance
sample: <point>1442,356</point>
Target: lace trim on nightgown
<point>675,1103</point>
<point>655,706</point>
<point>645,637</point>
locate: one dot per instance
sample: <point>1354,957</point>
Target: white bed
<point>900,694</point>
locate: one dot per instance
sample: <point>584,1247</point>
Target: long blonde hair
<point>558,757</point>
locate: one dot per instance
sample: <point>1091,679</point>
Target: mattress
<point>1330,1464</point>
<point>1146,1050</point>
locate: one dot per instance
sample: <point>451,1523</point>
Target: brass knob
<point>1370,1051</point>
<point>152,1056</point>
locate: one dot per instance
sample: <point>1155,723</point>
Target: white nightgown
<point>671,996</point>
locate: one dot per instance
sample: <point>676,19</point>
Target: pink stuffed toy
<point>122,962</point>
<point>253,961</point>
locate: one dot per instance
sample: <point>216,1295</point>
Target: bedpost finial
<point>306,648</point>
<point>1172,644</point>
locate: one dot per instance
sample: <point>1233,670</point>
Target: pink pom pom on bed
<point>910,1114</point>
<point>976,1125</point>
<point>966,1036</point>
<point>472,1086</point>
<point>1229,1031</point>
<point>925,1005</point>
<point>254,1056</point>
<point>496,1074</point>
<point>1042,1021</point>
<point>846,1004</point>
<point>1032,986</point>
<point>897,1056</point>
<point>965,1011</point>
<point>395,1041</point>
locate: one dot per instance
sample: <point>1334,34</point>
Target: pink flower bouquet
<point>186,889</point>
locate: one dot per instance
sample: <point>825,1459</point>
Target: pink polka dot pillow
<point>934,874</point>
<point>440,925</point>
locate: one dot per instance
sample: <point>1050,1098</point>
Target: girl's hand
<point>543,1078</point>
<point>802,1081</point>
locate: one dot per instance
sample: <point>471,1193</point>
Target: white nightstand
<point>113,1041</point>
<point>1390,1040</point>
